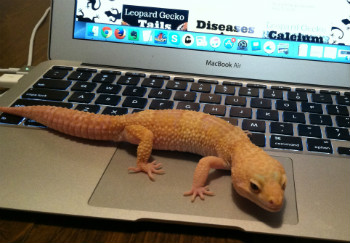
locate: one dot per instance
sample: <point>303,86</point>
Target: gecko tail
<point>68,121</point>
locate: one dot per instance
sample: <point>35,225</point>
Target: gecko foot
<point>199,191</point>
<point>149,169</point>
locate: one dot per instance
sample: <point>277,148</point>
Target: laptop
<point>279,70</point>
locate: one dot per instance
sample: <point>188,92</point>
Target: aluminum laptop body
<point>269,47</point>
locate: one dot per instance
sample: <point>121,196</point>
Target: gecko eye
<point>284,182</point>
<point>255,187</point>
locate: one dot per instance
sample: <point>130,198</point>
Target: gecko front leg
<point>201,174</point>
<point>144,138</point>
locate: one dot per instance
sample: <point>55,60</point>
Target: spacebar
<point>23,102</point>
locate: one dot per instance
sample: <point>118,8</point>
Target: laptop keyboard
<point>278,117</point>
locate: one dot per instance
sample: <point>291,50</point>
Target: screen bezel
<point>64,47</point>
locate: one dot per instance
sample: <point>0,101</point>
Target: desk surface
<point>18,19</point>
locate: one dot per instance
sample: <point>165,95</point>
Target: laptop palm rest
<point>120,189</point>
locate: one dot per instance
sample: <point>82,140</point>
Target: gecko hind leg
<point>144,138</point>
<point>201,174</point>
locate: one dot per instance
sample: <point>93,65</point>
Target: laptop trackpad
<point>120,189</point>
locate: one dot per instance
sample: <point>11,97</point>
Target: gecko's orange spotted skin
<point>255,174</point>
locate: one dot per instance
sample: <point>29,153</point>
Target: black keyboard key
<point>63,68</point>
<point>184,79</point>
<point>232,83</point>
<point>332,92</point>
<point>236,101</point>
<point>45,94</point>
<point>210,98</point>
<point>258,139</point>
<point>343,121</point>
<point>56,73</point>
<point>338,133</point>
<point>135,102</point>
<point>339,110</point>
<point>286,142</point>
<point>273,94</point>
<point>80,76</point>
<point>207,81</point>
<point>286,105</point>
<point>159,76</point>
<point>296,117</point>
<point>216,110</point>
<point>32,123</point>
<point>305,90</point>
<point>281,128</point>
<point>10,119</point>
<point>241,112</point>
<point>309,131</point>
<point>115,111</point>
<point>134,91</point>
<point>322,98</point>
<point>343,100</point>
<point>114,72</point>
<point>52,84</point>
<point>109,88</point>
<point>104,78</point>
<point>200,87</point>
<point>271,115</point>
<point>188,106</point>
<point>246,91</point>
<point>161,104</point>
<point>311,108</point>
<point>81,97</point>
<point>319,145</point>
<point>225,89</point>
<point>160,93</point>
<point>134,74</point>
<point>83,86</point>
<point>232,121</point>
<point>23,102</point>
<point>281,88</point>
<point>185,96</point>
<point>108,99</point>
<point>320,119</point>
<point>152,82</point>
<point>254,125</point>
<point>90,70</point>
<point>260,103</point>
<point>128,80</point>
<point>177,85</point>
<point>259,86</point>
<point>344,151</point>
<point>88,108</point>
<point>297,96</point>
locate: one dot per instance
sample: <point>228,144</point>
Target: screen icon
<point>283,48</point>
<point>93,31</point>
<point>256,46</point>
<point>201,41</point>
<point>120,33</point>
<point>106,32</point>
<point>242,45</point>
<point>134,35</point>
<point>215,42</point>
<point>174,38</point>
<point>303,49</point>
<point>229,43</point>
<point>269,47</point>
<point>160,37</point>
<point>330,52</point>
<point>147,35</point>
<point>187,40</point>
<point>344,53</point>
<point>316,51</point>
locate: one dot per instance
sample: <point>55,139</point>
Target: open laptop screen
<point>299,29</point>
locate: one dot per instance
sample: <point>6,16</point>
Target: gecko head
<point>262,184</point>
